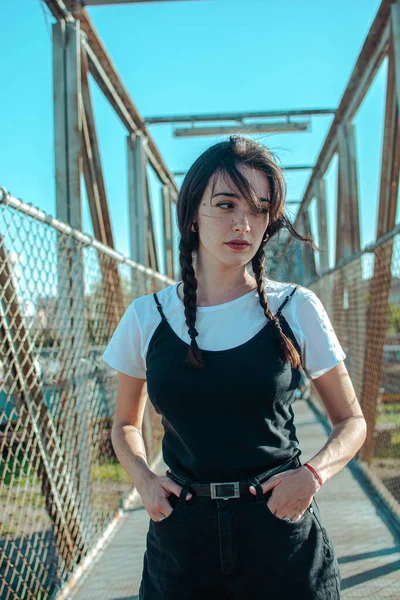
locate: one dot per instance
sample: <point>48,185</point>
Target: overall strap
<point>278,312</point>
<point>159,307</point>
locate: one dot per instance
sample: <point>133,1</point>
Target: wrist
<point>315,475</point>
<point>142,478</point>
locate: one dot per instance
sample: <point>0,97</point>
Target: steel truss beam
<point>239,116</point>
<point>371,57</point>
<point>105,2</point>
<point>82,137</point>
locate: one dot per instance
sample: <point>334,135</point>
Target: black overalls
<point>231,421</point>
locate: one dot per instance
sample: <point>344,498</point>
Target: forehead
<point>258,180</point>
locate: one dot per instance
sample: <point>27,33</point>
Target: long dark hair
<point>223,158</point>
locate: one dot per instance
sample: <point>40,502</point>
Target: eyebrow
<point>233,195</point>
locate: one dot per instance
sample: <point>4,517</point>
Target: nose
<point>241,222</point>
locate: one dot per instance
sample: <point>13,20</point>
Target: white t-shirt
<point>225,326</point>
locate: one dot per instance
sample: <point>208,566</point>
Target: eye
<point>257,211</point>
<point>221,203</point>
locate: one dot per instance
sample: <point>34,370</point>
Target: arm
<point>126,433</point>
<point>126,437</point>
<point>320,346</point>
<point>349,427</point>
<point>295,488</point>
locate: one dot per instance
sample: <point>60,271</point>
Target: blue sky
<point>193,57</point>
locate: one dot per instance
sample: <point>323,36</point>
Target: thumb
<point>268,485</point>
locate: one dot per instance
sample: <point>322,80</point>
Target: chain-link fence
<point>362,298</point>
<point>61,296</point>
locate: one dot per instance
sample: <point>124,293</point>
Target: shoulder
<point>279,290</point>
<point>146,307</point>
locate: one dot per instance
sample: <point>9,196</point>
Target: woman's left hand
<point>293,491</point>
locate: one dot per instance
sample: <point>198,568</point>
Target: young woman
<point>220,353</point>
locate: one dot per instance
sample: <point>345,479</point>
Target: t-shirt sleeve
<point>321,349</point>
<point>123,352</point>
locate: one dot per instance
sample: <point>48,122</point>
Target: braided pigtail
<point>193,357</point>
<point>286,345</point>
<point>223,160</point>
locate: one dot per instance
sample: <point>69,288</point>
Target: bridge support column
<point>137,195</point>
<point>168,232</point>
<point>71,314</point>
<point>320,195</point>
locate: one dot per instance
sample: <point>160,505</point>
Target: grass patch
<point>110,472</point>
<point>389,414</point>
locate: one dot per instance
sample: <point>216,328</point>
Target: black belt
<point>231,489</point>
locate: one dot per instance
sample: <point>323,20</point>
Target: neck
<point>216,286</point>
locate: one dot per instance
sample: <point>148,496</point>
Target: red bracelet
<point>314,473</point>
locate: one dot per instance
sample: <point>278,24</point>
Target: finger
<point>165,509</point>
<point>286,513</point>
<point>161,510</point>
<point>278,512</point>
<point>175,488</point>
<point>295,517</point>
<point>275,480</point>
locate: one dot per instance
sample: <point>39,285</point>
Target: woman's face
<point>224,215</point>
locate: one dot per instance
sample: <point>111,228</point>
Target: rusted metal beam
<point>92,191</point>
<point>395,24</point>
<point>284,126</point>
<point>104,2</point>
<point>67,121</point>
<point>100,204</point>
<point>150,228</point>
<point>97,198</point>
<point>175,234</point>
<point>310,270</point>
<point>260,114</point>
<point>320,195</point>
<point>71,287</point>
<point>347,219</point>
<point>59,10</point>
<point>136,199</point>
<point>108,79</point>
<point>167,231</point>
<point>366,67</point>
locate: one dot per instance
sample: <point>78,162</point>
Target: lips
<point>239,242</point>
<point>238,245</point>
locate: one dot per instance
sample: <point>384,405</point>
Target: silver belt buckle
<point>235,494</point>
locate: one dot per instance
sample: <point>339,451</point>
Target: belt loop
<point>184,491</point>
<point>260,494</point>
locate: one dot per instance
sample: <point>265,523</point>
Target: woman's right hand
<point>155,492</point>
